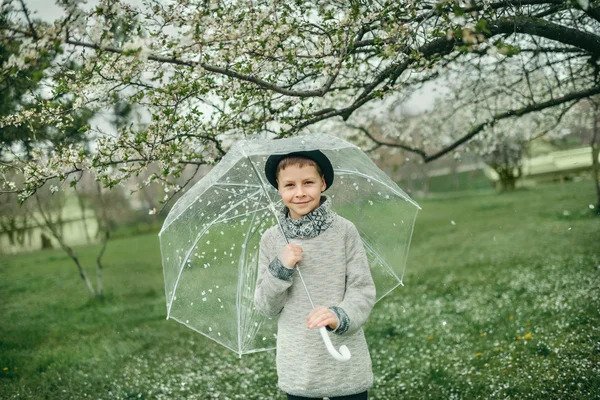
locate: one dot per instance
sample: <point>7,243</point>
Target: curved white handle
<point>342,355</point>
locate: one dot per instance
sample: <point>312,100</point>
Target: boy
<point>336,272</point>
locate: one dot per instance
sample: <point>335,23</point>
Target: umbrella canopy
<point>210,239</point>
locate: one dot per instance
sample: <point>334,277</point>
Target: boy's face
<point>300,189</point>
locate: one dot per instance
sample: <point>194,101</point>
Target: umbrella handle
<point>342,355</point>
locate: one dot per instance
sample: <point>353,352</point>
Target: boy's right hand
<point>290,255</point>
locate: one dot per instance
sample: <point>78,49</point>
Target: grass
<point>501,300</point>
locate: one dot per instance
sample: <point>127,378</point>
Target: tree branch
<point>50,225</point>
<point>492,6</point>
<point>187,182</point>
<point>381,143</point>
<point>549,30</point>
<point>26,12</point>
<point>105,237</point>
<point>391,73</point>
<point>514,113</point>
<point>594,13</point>
<point>219,70</point>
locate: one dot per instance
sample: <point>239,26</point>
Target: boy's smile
<point>300,189</point>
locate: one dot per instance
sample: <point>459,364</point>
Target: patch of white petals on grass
<point>484,332</point>
<point>491,333</point>
<point>197,374</point>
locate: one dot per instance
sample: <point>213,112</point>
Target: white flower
<point>152,211</point>
<point>459,20</point>
<point>53,189</point>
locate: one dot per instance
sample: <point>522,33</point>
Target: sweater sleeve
<point>359,297</point>
<point>273,281</point>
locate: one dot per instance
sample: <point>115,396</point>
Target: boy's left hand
<point>321,316</point>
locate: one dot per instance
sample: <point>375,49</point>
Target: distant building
<point>555,166</point>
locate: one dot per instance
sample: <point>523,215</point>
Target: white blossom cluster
<point>485,98</point>
<point>207,73</point>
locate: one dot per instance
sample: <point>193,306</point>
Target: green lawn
<point>501,300</point>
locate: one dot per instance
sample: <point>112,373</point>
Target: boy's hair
<point>298,161</point>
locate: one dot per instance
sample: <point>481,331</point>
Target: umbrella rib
<point>232,191</point>
<point>408,243</point>
<point>403,261</point>
<point>386,266</point>
<point>187,256</point>
<point>394,190</point>
<point>389,291</point>
<point>241,215</point>
<point>200,194</point>
<point>236,184</point>
<point>202,333</point>
<point>246,196</point>
<point>238,299</point>
<point>248,316</point>
<point>368,245</point>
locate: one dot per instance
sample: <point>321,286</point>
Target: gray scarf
<point>309,225</point>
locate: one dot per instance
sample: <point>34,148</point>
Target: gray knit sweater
<point>337,274</point>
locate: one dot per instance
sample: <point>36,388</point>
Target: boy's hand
<point>321,316</point>
<point>291,255</point>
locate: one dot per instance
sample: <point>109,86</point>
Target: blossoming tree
<point>208,72</point>
<point>479,98</point>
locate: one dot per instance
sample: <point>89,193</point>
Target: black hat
<point>315,155</point>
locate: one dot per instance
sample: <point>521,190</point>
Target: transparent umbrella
<point>210,239</point>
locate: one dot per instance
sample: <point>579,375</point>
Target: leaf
<point>458,10</point>
<point>482,27</point>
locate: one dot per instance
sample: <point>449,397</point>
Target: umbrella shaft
<point>305,288</point>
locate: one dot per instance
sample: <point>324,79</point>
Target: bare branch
<point>387,144</point>
<point>594,13</point>
<point>31,27</point>
<point>219,70</point>
<point>539,27</point>
<point>182,187</point>
<point>514,113</point>
<point>50,225</point>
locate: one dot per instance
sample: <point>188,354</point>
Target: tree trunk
<point>99,267</point>
<point>9,228</point>
<point>426,179</point>
<point>83,218</point>
<point>82,273</point>
<point>50,225</point>
<point>454,173</point>
<point>105,238</point>
<point>508,184</point>
<point>508,179</point>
